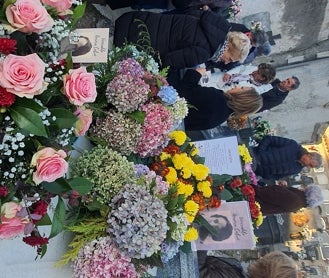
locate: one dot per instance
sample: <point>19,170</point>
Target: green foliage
<point>84,232</point>
<point>78,12</point>
<point>58,219</point>
<point>28,120</point>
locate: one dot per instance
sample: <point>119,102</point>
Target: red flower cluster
<point>214,201</point>
<point>35,240</point>
<point>39,208</point>
<point>3,191</point>
<point>7,46</point>
<point>6,98</point>
<point>236,182</point>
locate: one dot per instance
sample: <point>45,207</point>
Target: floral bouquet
<point>132,217</point>
<point>43,107</point>
<point>239,188</point>
<point>237,122</point>
<point>138,106</point>
<point>261,128</point>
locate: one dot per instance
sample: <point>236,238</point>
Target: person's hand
<point>202,71</point>
<point>226,77</point>
<point>283,183</point>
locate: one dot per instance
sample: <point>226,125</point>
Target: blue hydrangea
<point>168,94</point>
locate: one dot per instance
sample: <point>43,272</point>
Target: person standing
<point>279,92</point>
<point>277,157</point>
<point>182,41</point>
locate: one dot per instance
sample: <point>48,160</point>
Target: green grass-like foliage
<point>85,231</point>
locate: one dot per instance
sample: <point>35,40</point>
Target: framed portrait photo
<point>87,45</point>
<point>232,228</point>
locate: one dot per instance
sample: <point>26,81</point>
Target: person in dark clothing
<point>134,4</point>
<point>279,92</point>
<point>210,106</point>
<point>277,157</point>
<point>276,199</point>
<point>258,40</point>
<point>183,41</point>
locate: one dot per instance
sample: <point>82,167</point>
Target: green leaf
<point>43,250</point>
<point>226,195</point>
<point>44,221</point>
<point>64,118</point>
<point>203,222</point>
<point>199,159</point>
<point>28,120</point>
<point>57,187</point>
<point>95,205</point>
<point>172,204</point>
<point>29,103</point>
<point>78,12</point>
<point>58,219</point>
<point>138,116</point>
<point>186,247</point>
<point>220,179</point>
<point>81,185</point>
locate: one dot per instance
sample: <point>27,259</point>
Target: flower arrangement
<point>138,106</point>
<point>237,122</point>
<point>43,107</point>
<point>239,188</point>
<point>133,212</point>
<point>261,128</point>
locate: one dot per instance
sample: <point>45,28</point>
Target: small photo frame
<point>233,226</point>
<point>87,45</point>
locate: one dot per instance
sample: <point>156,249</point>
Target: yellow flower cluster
<point>200,171</point>
<point>178,136</point>
<point>171,177</point>
<point>191,209</point>
<point>244,153</point>
<point>191,234</point>
<point>205,188</point>
<point>194,151</point>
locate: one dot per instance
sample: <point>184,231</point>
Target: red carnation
<point>254,210</point>
<point>3,191</point>
<point>7,46</point>
<point>35,240</point>
<point>236,182</point>
<point>6,98</point>
<point>40,207</point>
<point>248,190</point>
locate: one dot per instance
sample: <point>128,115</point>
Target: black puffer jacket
<point>181,40</point>
<point>278,157</point>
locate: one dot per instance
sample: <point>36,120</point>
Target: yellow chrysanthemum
<point>194,150</point>
<point>171,177</point>
<point>189,218</point>
<point>191,207</point>
<point>244,153</point>
<point>182,161</point>
<point>178,136</point>
<point>186,189</point>
<point>200,171</point>
<point>205,188</point>
<point>186,173</point>
<point>191,234</point>
<point>164,156</point>
<point>259,220</point>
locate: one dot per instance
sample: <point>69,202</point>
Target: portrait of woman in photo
<point>78,47</point>
<point>221,224</point>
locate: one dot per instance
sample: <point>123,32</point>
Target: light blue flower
<point>168,94</point>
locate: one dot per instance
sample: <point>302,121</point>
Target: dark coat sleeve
<point>276,142</point>
<point>277,199</point>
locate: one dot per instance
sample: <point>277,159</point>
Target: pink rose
<point>59,5</point>
<point>23,75</point>
<point>80,86</point>
<point>10,209</point>
<point>29,16</point>
<point>11,227</point>
<point>50,165</point>
<point>85,117</point>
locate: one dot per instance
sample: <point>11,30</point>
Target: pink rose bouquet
<point>84,120</point>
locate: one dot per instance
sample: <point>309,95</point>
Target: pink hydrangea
<point>100,258</point>
<point>157,124</point>
<point>127,93</point>
<point>130,67</point>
